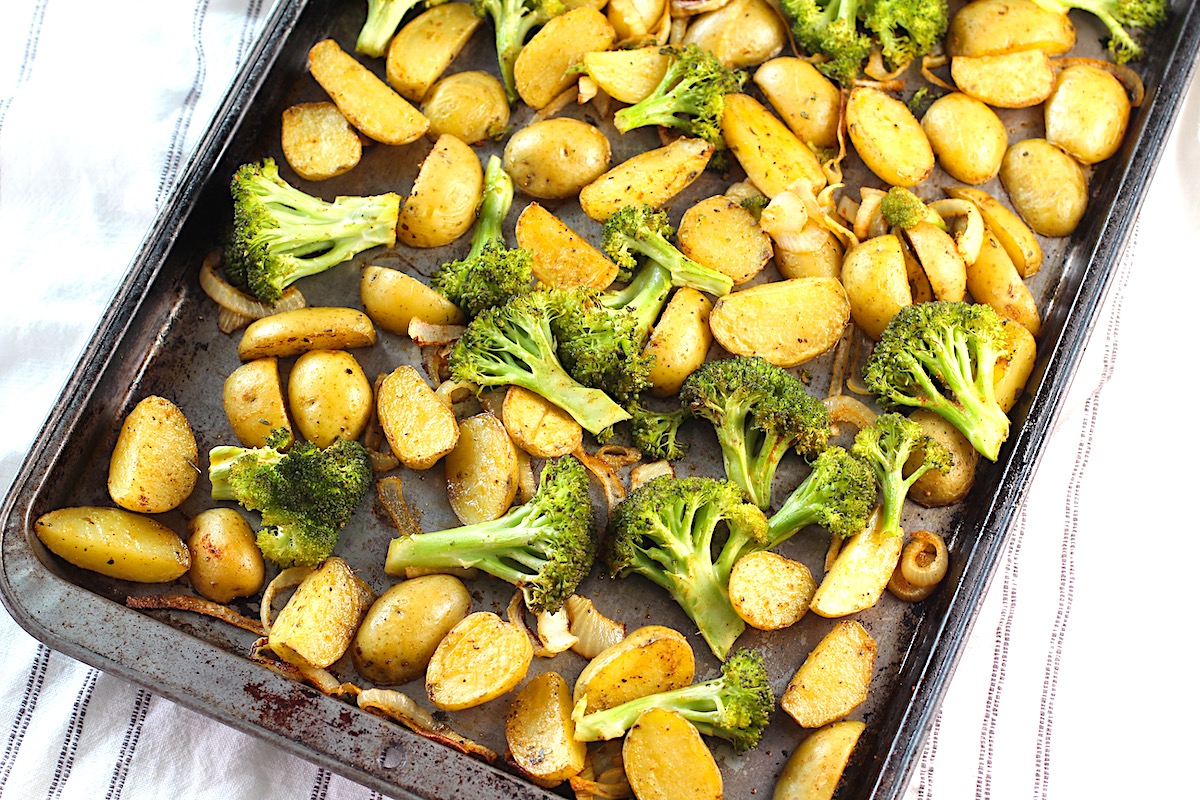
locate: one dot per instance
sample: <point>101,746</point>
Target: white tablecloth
<point>1077,680</point>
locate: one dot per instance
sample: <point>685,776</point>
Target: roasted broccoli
<point>906,29</point>
<point>886,446</point>
<point>839,495</point>
<point>903,209</point>
<point>1117,16</point>
<point>690,97</point>
<point>656,433</point>
<point>513,20</point>
<point>665,531</point>
<point>280,234</point>
<point>491,273</point>
<point>514,345</point>
<point>942,356</point>
<point>383,18</point>
<point>736,706</point>
<point>545,547</point>
<point>639,229</point>
<point>760,411</point>
<point>306,495</point>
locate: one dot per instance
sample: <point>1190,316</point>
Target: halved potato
<point>785,322</point>
<point>993,27</point>
<point>422,50</point>
<point>316,626</point>
<point>773,157</point>
<point>835,677</point>
<point>1011,80</point>
<point>770,592</point>
<point>1048,187</point>
<point>1013,234</point>
<point>367,102</point>
<point>329,396</point>
<point>652,178</point>
<point>649,660</point>
<point>318,142</point>
<point>419,427</point>
<point>541,734</point>
<point>888,137</point>
<point>546,65</point>
<point>875,276</point>
<point>665,759</point>
<point>291,333</point>
<point>114,542</point>
<point>815,768</point>
<point>941,260</point>
<point>539,427</point>
<point>471,105</point>
<point>809,102</point>
<point>860,572</point>
<point>393,299</point>
<point>553,159</point>
<point>481,470</point>
<point>1013,372</point>
<point>936,488</point>
<point>741,33</point>
<point>627,76</point>
<point>993,279</point>
<point>153,467</point>
<point>480,659</point>
<point>441,206</point>
<point>561,257</point>
<point>722,235</point>
<point>679,341</point>
<point>253,400</point>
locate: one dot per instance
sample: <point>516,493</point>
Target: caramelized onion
<point>595,632</point>
<point>240,308</point>
<point>403,709</point>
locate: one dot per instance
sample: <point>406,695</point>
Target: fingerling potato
<point>722,235</point>
<point>291,333</point>
<point>888,137</point>
<point>561,257</point>
<point>679,341</point>
<point>940,259</point>
<point>1013,234</point>
<point>367,102</point>
<point>253,401</point>
<point>994,280</point>
<point>329,396</point>
<point>419,427</point>
<point>786,322</point>
<point>554,159</point>
<point>936,488</point>
<point>835,677</point>
<point>448,188</point>
<point>651,178</point>
<point>875,277</point>
<point>114,542</point>
<point>741,33</point>
<point>481,470</point>
<point>859,574</point>
<point>480,659</point>
<point>809,102</point>
<point>541,734</point>
<point>318,142</point>
<point>1087,113</point>
<point>1010,80</point>
<point>153,464</point>
<point>772,156</point>
<point>316,626</point>
<point>994,27</point>
<point>815,768</point>
<point>1014,370</point>
<point>665,759</point>
<point>225,561</point>
<point>967,137</point>
<point>422,50</point>
<point>627,76</point>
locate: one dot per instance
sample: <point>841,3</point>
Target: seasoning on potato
<point>419,427</point>
<point>470,105</point>
<point>835,677</point>
<point>1087,113</point>
<point>555,158</point>
<point>318,142</point>
<point>254,403</point>
<point>786,322</point>
<point>441,206</point>
<point>316,626</point>
<point>665,759</point>
<point>481,658</point>
<point>114,542</point>
<point>225,561</point>
<point>887,137</point>
<point>561,257</point>
<point>422,50</point>
<point>770,592</point>
<point>541,734</point>
<point>329,396</point>
<point>1047,186</point>
<point>153,464</point>
<point>367,102</point>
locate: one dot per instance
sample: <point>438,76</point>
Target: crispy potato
<point>470,105</point>
<point>967,137</point>
<point>876,279</point>
<point>665,759</point>
<point>541,734</point>
<point>561,257</point>
<point>393,299</point>
<point>291,333</point>
<point>773,157</point>
<point>859,574</point>
<point>770,592</point>
<point>939,257</point>
<point>318,142</point>
<point>1011,80</point>
<point>1048,188</point>
<point>329,396</point>
<point>741,33</point>
<point>225,561</point>
<point>679,341</point>
<point>419,427</point>
<point>651,659</point>
<point>539,427</point>
<point>153,463</point>
<point>1013,234</point>
<point>481,470</point>
<point>888,137</point>
<point>114,542</point>
<point>367,102</point>
<point>814,769</point>
<point>722,235</point>
<point>555,158</point>
<point>1013,372</point>
<point>480,659</point>
<point>820,257</point>
<point>627,76</point>
<point>935,488</point>
<point>652,178</point>
<point>316,626</point>
<point>834,679</point>
<point>785,322</point>
<point>1087,113</point>
<point>441,206</point>
<point>809,102</point>
<point>403,627</point>
<point>994,27</point>
<point>993,279</point>
<point>253,401</point>
<point>546,65</point>
<point>422,50</point>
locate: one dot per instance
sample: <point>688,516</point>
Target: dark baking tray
<point>159,337</point>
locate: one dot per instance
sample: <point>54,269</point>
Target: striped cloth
<point>1076,681</point>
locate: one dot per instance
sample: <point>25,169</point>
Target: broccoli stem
<point>699,703</point>
<point>491,545</point>
<point>383,18</point>
<point>975,411</point>
<point>644,297</point>
<point>797,512</point>
<point>658,109</point>
<point>493,208</point>
<point>684,271</point>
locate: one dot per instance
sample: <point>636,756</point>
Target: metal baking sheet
<point>160,337</point>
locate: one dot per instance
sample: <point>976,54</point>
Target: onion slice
<point>186,602</point>
<point>240,308</point>
<point>282,582</point>
<point>595,632</point>
<point>401,708</point>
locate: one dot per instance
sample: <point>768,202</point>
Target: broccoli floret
<point>1117,16</point>
<point>886,446</point>
<point>635,229</point>
<point>280,234</point>
<point>831,30</point>
<point>839,495</point>
<point>383,18</point>
<point>759,411</point>
<point>514,345</point>
<point>903,209</point>
<point>690,97</point>
<point>656,433</point>
<point>306,495</point>
<point>665,530</point>
<point>755,205</point>
<point>906,29</point>
<point>736,706</point>
<point>513,20</point>
<point>491,273</point>
<point>545,547</point>
<point>942,356</point>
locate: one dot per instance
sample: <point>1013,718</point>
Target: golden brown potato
<point>773,157</point>
<point>627,76</point>
<point>561,257</point>
<point>329,396</point>
<point>665,759</point>
<point>225,561</point>
<point>770,592</point>
<point>809,102</point>
<point>253,400</point>
<point>114,542</point>
<point>419,427</point>
<point>422,50</point>
<point>554,158</point>
<point>153,464</point>
<point>633,19</point>
<point>935,488</point>
<point>441,206</point>
<point>1013,234</point>
<point>481,470</point>
<point>835,677</point>
<point>994,280</point>
<point>814,769</point>
<point>888,137</point>
<point>876,280</point>
<point>367,102</point>
<point>1013,372</point>
<point>741,33</point>
<point>651,659</point>
<point>722,235</point>
<point>546,65</point>
<point>1087,113</point>
<point>939,257</point>
<point>291,333</point>
<point>1011,80</point>
<point>393,299</point>
<point>539,427</point>
<point>1048,188</point>
<point>652,178</point>
<point>403,627</point>
<point>679,341</point>
<point>470,105</point>
<point>480,659</point>
<point>316,626</point>
<point>817,253</point>
<point>859,574</point>
<point>786,322</point>
<point>967,137</point>
<point>994,27</point>
<point>541,734</point>
<point>318,142</point>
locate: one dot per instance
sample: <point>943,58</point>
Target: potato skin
<point>808,101</point>
<point>541,734</point>
<point>1087,113</point>
<point>741,33</point>
<point>393,299</point>
<point>367,102</point>
<point>772,156</point>
<point>225,561</point>
<point>786,322</point>
<point>481,470</point>
<point>153,464</point>
<point>650,659</point>
<point>318,623</point>
<point>553,159</point>
<point>815,768</point>
<point>329,396</point>
<point>114,542</point>
<point>652,177</point>
<point>253,401</point>
<point>876,281</point>
<point>470,105</point>
<point>680,341</point>
<point>1047,186</point>
<point>422,50</point>
<point>419,427</point>
<point>291,333</point>
<point>722,235</point>
<point>666,759</point>
<point>993,27</point>
<point>544,68</point>
<point>935,488</point>
<point>441,206</point>
<point>1010,80</point>
<point>967,137</point>
<point>888,137</point>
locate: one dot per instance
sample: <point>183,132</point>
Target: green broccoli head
<point>491,278</point>
<point>885,446</point>
<point>1118,16</point>
<point>759,411</point>
<point>831,30</point>
<point>638,229</point>
<point>906,29</point>
<point>903,209</point>
<point>383,18</point>
<point>656,433</point>
<point>838,494</point>
<point>602,347</point>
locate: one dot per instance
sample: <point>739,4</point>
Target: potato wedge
<point>773,157</point>
<point>1013,372</point>
<point>561,257</point>
<point>1087,113</point>
<point>441,206</point>
<point>471,105</point>
<point>679,341</point>
<point>316,626</point>
<point>225,561</point>
<point>367,102</point>
<point>553,159</point>
<point>153,466</point>
<point>994,27</point>
<point>480,659</point>
<point>652,178</point>
<point>1048,187</point>
<point>481,470</point>
<point>541,734</point>
<point>1011,80</point>
<point>888,137</point>
<point>318,142</point>
<point>834,679</point>
<point>967,137</point>
<point>993,279</point>
<point>633,19</point>
<point>859,574</point>
<point>422,50</point>
<point>809,102</point>
<point>419,427</point>
<point>815,768</point>
<point>291,333</point>
<point>627,76</point>
<point>253,401</point>
<point>666,759</point>
<point>546,65</point>
<point>114,542</point>
<point>785,322</point>
<point>393,299</point>
<point>770,592</point>
<point>939,257</point>
<point>329,396</point>
<point>1013,234</point>
<point>722,235</point>
<point>875,276</point>
<point>651,659</point>
<point>539,427</point>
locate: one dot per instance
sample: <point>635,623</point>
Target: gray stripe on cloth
<point>175,148</point>
<point>16,734</point>
<point>129,743</point>
<point>66,755</point>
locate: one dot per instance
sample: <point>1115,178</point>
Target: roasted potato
<point>1048,187</point>
<point>936,488</point>
<point>770,592</point>
<point>1014,235</point>
<point>481,470</point>
<point>809,102</point>
<point>835,677</point>
<point>680,341</point>
<point>555,158</point>
<point>1087,113</point>
<point>469,105</point>
<point>318,142</point>
<point>722,235</point>
<point>859,574</point>
<point>546,65</point>
<point>888,137</point>
<point>114,542</point>
<point>773,157</point>
<point>561,257</point>
<point>995,27</point>
<point>634,19</point>
<point>254,404</point>
<point>815,768</point>
<point>786,322</point>
<point>480,659</point>
<point>940,259</point>
<point>741,33</point>
<point>875,277</point>
<point>419,427</point>
<point>627,76</point>
<point>651,659</point>
<point>225,561</point>
<point>1011,80</point>
<point>316,626</point>
<point>967,137</point>
<point>291,333</point>
<point>650,178</point>
<point>422,50</point>
<point>367,102</point>
<point>1013,371</point>
<point>393,299</point>
<point>993,279</point>
<point>665,759</point>
<point>539,427</point>
<point>153,466</point>
<point>448,188</point>
<point>329,396</point>
<point>541,734</point>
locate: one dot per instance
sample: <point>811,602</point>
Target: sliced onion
<point>382,462</point>
<point>586,89</point>
<point>554,631</point>
<point>610,481</point>
<point>196,605</point>
<point>403,709</point>
<point>427,333</point>
<point>285,580</point>
<point>931,62</point>
<point>966,225</point>
<point>596,632</point>
<point>526,483</point>
<point>868,220</point>
<point>876,69</point>
<point>237,303</point>
<point>644,473</point>
<point>924,560</point>
<point>322,679</point>
<point>844,408</point>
